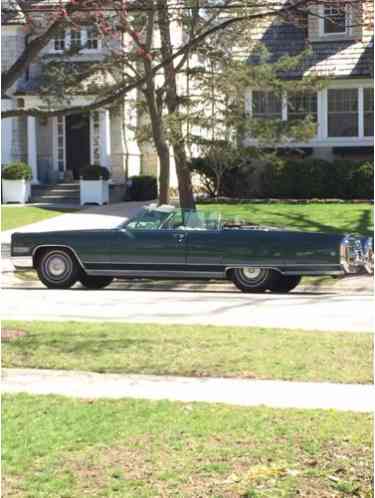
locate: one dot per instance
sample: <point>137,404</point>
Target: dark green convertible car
<point>166,242</point>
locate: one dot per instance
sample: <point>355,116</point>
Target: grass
<point>354,218</point>
<point>62,448</point>
<point>14,217</point>
<point>191,351</point>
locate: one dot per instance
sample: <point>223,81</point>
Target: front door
<point>77,143</point>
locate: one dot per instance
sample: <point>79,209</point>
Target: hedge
<point>95,172</point>
<point>298,179</point>
<point>142,188</point>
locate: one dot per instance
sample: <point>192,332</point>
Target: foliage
<point>316,178</point>
<point>142,188</point>
<point>95,172</point>
<point>16,171</point>
<point>275,177</point>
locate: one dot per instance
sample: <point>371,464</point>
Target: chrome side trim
<point>22,262</point>
<point>52,246</point>
<point>152,274</point>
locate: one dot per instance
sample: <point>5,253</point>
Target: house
<point>57,147</point>
<point>341,50</point>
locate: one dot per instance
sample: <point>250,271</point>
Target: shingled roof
<point>340,59</point>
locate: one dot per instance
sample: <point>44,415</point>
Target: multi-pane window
<point>335,19</point>
<point>343,112</point>
<point>59,41</point>
<point>267,105</point>
<point>302,105</point>
<point>60,133</point>
<point>368,111</point>
<point>92,39</point>
<point>75,38</point>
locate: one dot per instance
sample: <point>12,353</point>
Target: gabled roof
<point>340,59</point>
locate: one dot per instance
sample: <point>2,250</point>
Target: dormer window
<point>92,39</point>
<point>335,20</point>
<point>75,38</point>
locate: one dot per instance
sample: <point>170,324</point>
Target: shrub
<point>291,179</point>
<point>142,188</point>
<point>16,171</point>
<point>95,172</point>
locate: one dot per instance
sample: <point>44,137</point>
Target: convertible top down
<point>167,242</point>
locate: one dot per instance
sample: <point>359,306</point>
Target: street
<point>326,311</point>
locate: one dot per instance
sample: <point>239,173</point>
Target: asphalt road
<point>310,311</point>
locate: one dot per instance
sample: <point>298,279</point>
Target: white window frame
<point>55,142</point>
<point>348,23</point>
<point>322,138</point>
<point>84,37</point>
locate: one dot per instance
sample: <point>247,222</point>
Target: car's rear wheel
<point>285,283</point>
<point>57,269</point>
<point>249,279</point>
<point>93,282</point>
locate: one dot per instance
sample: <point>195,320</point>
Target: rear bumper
<point>22,262</point>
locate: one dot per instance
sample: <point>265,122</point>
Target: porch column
<point>32,156</point>
<point>105,139</point>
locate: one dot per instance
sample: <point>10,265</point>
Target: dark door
<point>77,143</point>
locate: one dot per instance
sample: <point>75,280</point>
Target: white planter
<point>94,192</point>
<point>16,191</point>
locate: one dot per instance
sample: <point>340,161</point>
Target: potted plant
<point>94,185</point>
<point>16,182</point>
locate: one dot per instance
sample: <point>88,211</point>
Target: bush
<point>17,171</point>
<point>142,188</point>
<point>292,179</point>
<point>95,172</point>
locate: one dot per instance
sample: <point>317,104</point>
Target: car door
<point>157,247</point>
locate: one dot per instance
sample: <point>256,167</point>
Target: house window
<point>60,146</point>
<point>302,105</point>
<point>266,105</point>
<point>59,41</point>
<point>368,111</point>
<point>92,42</point>
<point>75,38</point>
<point>343,112</point>
<point>335,20</point>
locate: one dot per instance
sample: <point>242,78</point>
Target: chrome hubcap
<point>251,273</point>
<point>56,266</point>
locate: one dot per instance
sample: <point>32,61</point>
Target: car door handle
<point>179,236</point>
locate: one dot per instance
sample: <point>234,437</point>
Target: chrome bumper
<point>357,254</point>
<point>22,262</point>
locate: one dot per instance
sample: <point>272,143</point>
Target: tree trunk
<point>185,187</point>
<point>158,134</point>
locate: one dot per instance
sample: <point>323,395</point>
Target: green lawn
<point>13,217</point>
<point>62,448</point>
<point>312,217</point>
<point>191,351</point>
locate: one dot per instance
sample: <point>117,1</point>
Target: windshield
<point>169,218</point>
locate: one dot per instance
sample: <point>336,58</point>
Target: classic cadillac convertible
<point>166,242</point>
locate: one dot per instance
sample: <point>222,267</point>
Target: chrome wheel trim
<point>252,277</point>
<point>57,266</point>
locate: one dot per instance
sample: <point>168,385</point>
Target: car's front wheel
<point>93,282</point>
<point>285,283</point>
<point>57,269</point>
<point>249,279</point>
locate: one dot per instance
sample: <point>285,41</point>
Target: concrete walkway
<point>275,394</point>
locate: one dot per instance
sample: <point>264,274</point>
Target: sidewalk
<point>242,392</point>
